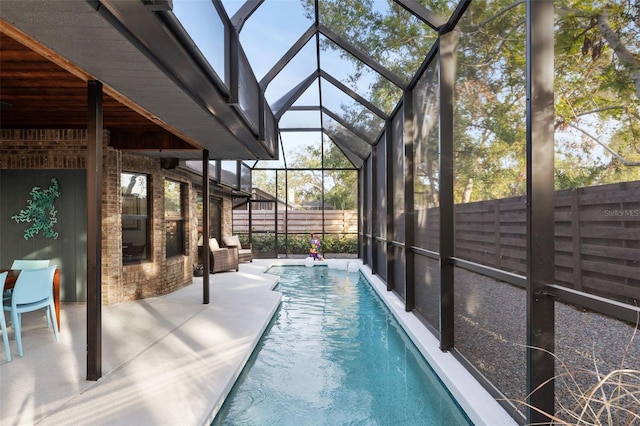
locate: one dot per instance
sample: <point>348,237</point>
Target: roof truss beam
<point>377,111</point>
<point>363,57</point>
<point>246,10</point>
<point>422,13</point>
<point>340,41</point>
<point>337,118</point>
<point>285,102</point>
<point>348,125</point>
<point>352,156</point>
<point>301,129</point>
<point>288,56</point>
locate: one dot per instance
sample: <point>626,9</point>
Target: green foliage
<point>264,179</point>
<point>299,244</point>
<point>340,186</point>
<point>261,243</point>
<point>172,198</point>
<point>40,211</point>
<point>595,94</point>
<point>346,243</point>
<point>597,86</point>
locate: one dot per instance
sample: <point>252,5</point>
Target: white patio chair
<point>33,291</point>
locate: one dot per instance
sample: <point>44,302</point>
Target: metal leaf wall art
<point>40,211</point>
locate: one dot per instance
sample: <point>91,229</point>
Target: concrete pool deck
<point>172,360</point>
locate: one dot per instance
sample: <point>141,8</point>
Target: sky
<point>265,37</point>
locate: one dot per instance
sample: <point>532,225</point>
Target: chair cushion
<point>231,241</point>
<point>213,244</point>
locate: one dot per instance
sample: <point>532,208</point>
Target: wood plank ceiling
<point>37,93</point>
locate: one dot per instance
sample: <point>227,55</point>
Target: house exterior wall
<point>66,149</point>
<point>227,217</point>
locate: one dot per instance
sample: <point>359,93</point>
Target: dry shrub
<point>611,398</point>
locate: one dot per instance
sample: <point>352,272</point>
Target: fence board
<point>597,235</point>
<point>610,289</point>
<point>610,269</point>
<point>625,253</point>
<point>597,231</point>
<point>297,221</point>
<point>612,234</point>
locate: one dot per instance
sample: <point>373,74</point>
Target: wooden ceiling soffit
<point>141,140</point>
<point>36,47</point>
<point>44,90</point>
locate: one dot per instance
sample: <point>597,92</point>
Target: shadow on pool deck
<point>166,360</point>
<point>172,360</point>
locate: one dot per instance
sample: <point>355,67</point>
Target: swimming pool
<point>334,355</point>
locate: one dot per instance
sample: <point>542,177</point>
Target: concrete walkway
<point>166,360</point>
<point>171,360</point>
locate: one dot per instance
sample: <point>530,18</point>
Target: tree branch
<point>500,12</point>
<point>605,146</point>
<point>625,57</point>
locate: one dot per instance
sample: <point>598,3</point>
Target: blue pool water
<point>334,355</point>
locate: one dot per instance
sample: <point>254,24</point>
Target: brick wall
<point>112,272</point>
<point>43,149</point>
<point>227,217</point>
<point>66,149</point>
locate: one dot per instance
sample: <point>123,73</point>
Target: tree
<point>597,87</point>
<point>340,186</point>
<point>305,179</point>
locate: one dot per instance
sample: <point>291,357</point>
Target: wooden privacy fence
<point>297,221</point>
<point>597,235</point>
<point>597,238</point>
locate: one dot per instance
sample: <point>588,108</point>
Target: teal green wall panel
<point>69,250</point>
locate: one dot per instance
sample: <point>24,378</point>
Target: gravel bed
<point>490,332</point>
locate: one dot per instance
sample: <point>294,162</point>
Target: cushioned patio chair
<point>222,258</point>
<point>244,250</point>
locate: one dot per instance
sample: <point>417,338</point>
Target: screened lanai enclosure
<point>482,157</point>
<point>491,149</point>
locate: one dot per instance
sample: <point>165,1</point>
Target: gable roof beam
<point>422,13</point>
<point>353,130</point>
<point>377,111</point>
<point>363,57</point>
<point>355,158</point>
<point>245,11</point>
<point>283,104</point>
<point>301,129</point>
<point>336,117</point>
<point>305,108</point>
<point>288,56</point>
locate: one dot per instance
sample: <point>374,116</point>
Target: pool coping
<point>475,400</point>
<point>172,360</point>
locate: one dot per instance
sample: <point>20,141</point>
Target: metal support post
<point>94,229</point>
<point>540,208</point>
<point>409,217</point>
<point>206,226</point>
<point>447,57</point>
